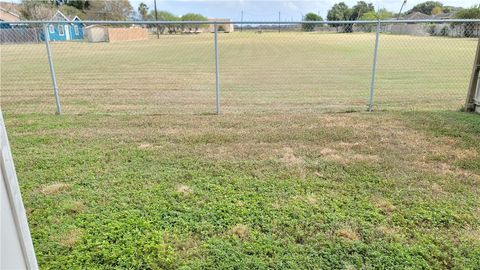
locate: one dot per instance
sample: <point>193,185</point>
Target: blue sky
<point>267,10</point>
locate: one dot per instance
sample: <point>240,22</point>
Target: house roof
<point>417,16</point>
<point>422,16</point>
<point>6,15</point>
<point>218,20</point>
<point>11,7</point>
<point>443,16</point>
<point>59,16</point>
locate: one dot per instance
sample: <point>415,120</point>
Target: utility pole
<point>400,12</point>
<point>279,21</point>
<point>241,22</point>
<point>156,19</point>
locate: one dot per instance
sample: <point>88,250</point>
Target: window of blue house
<point>75,28</point>
<point>60,30</point>
<point>52,29</point>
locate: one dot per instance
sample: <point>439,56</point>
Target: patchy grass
<point>356,190</point>
<point>54,188</point>
<point>241,231</point>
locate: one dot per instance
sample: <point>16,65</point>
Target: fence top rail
<point>246,22</point>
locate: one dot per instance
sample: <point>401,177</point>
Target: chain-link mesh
<point>128,68</point>
<point>25,82</point>
<point>294,70</point>
<point>425,65</point>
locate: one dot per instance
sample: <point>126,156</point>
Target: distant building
<point>417,16</point>
<point>10,6</point>
<point>14,32</point>
<point>96,33</point>
<point>74,30</point>
<point>443,16</point>
<point>8,16</point>
<point>422,16</point>
<point>99,33</point>
<point>225,26</point>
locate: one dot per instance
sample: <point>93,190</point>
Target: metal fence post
<point>217,82</point>
<point>46,36</point>
<point>374,68</point>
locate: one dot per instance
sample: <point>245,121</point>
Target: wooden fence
<point>123,34</point>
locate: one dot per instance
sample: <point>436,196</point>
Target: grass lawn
<point>269,72</point>
<point>138,174</point>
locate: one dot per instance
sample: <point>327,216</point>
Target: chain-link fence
<point>195,67</point>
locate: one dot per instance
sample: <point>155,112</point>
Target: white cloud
<point>290,5</point>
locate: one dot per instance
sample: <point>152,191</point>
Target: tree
<point>311,17</point>
<point>469,13</point>
<point>437,10</point>
<point>165,16</point>
<point>425,7</point>
<point>115,10</point>
<point>168,17</point>
<point>341,12</point>
<point>382,14</point>
<point>143,10</point>
<point>361,8</point>
<point>71,11</point>
<point>37,9</point>
<point>194,17</point>
<point>78,4</point>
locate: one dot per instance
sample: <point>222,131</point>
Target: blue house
<point>66,29</point>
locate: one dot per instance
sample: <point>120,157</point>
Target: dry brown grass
<point>276,205</point>
<point>290,158</point>
<point>312,199</point>
<point>184,189</point>
<point>387,231</point>
<point>70,238</point>
<point>145,146</point>
<point>241,231</point>
<point>349,234</point>
<point>474,235</point>
<point>385,206</point>
<point>55,188</point>
<point>187,246</point>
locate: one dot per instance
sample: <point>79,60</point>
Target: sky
<point>267,10</point>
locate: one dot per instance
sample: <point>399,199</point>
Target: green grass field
<point>294,174</point>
